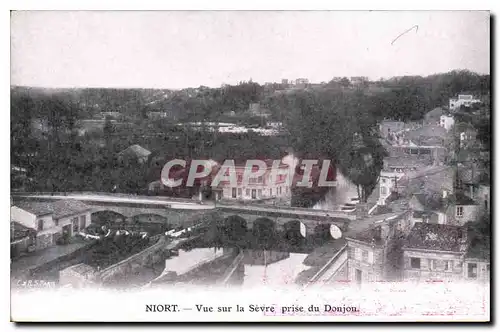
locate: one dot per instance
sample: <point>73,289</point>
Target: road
<point>136,200</point>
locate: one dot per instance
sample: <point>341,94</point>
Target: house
<point>111,114</point>
<point>52,221</point>
<point>358,80</point>
<point>134,152</point>
<point>389,127</point>
<point>22,239</point>
<point>434,251</point>
<point>157,115</point>
<point>258,188</point>
<point>395,168</point>
<point>445,253</point>
<point>463,100</point>
<point>446,121</point>
<point>450,209</point>
<point>373,253</point>
<point>255,109</point>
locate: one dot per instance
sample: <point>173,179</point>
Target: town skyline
<point>154,50</point>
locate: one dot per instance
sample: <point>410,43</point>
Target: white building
<point>52,220</point>
<point>446,121</point>
<point>465,100</point>
<point>258,188</point>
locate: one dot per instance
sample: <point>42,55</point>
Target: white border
<point>134,5</point>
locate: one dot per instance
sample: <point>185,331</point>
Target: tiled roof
<point>36,208</point>
<point>68,207</point>
<point>430,202</point>
<point>436,237</point>
<point>424,132</point>
<point>461,199</point>
<point>406,160</point>
<point>371,235</point>
<point>59,209</point>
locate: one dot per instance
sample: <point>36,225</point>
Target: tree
<point>345,82</point>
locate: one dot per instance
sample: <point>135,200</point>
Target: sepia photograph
<point>250,166</point>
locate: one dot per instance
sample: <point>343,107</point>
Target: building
<point>373,254</point>
<point>446,121</point>
<point>157,115</point>
<point>52,221</point>
<point>22,239</point>
<point>463,100</point>
<point>449,209</point>
<point>442,252</point>
<point>395,169</point>
<point>358,80</point>
<point>389,127</point>
<point>136,153</point>
<point>260,188</point>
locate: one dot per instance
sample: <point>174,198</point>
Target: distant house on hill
<point>134,152</point>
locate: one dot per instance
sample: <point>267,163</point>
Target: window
<point>74,222</point>
<point>432,264</point>
<point>259,179</point>
<point>254,196</point>
<point>448,265</point>
<point>234,192</point>
<point>39,225</point>
<point>486,202</point>
<point>271,192</point>
<point>415,263</point>
<point>83,222</point>
<point>247,192</point>
<point>365,256</point>
<point>472,270</point>
<point>259,192</point>
<point>460,211</point>
<point>383,180</point>
<point>240,192</point>
<point>383,190</point>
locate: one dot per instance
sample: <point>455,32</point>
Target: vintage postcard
<point>250,166</point>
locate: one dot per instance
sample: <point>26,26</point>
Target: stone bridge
<point>183,212</point>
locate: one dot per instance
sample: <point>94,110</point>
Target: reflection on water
<point>271,268</point>
<point>211,266</point>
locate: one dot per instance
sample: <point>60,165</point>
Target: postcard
<point>250,166</point>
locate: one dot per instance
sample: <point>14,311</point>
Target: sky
<point>180,49</point>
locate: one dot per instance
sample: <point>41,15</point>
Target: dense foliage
<point>335,120</point>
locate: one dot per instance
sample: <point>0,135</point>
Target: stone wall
<point>146,258</point>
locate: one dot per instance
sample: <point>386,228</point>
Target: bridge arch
<point>235,228</point>
<point>322,232</point>
<point>102,217</point>
<point>149,217</point>
<point>294,231</point>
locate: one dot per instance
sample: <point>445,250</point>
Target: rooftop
<point>136,150</point>
<point>436,237</point>
<point>425,131</point>
<point>59,209</point>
